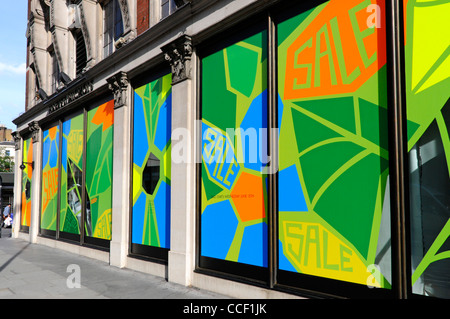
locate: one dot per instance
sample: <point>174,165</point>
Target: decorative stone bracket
<point>17,140</point>
<point>178,53</point>
<point>118,84</point>
<point>34,128</point>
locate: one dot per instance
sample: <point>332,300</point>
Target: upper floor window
<point>167,8</point>
<point>55,77</point>
<point>81,55</point>
<point>112,26</point>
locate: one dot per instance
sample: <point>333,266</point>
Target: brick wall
<point>142,15</point>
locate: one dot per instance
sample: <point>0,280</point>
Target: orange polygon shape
<point>104,115</point>
<point>332,55</point>
<point>248,197</point>
<point>52,133</point>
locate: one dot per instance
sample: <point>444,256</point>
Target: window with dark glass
<point>167,8</point>
<point>81,56</point>
<point>151,174</point>
<point>112,26</point>
<point>54,72</point>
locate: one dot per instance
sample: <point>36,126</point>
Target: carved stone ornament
<point>17,140</point>
<point>35,130</point>
<point>178,53</point>
<point>118,84</point>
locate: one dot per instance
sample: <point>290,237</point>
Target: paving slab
<point>33,271</point>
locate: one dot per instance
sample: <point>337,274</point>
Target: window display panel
<point>234,153</point>
<point>427,69</point>
<point>50,172</point>
<point>99,165</point>
<point>27,173</point>
<point>334,217</point>
<point>151,163</point>
<point>72,175</point>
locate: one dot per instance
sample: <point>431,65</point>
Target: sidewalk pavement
<point>33,271</point>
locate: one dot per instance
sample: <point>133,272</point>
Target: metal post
<point>398,145</point>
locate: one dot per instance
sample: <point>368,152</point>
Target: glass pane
<point>50,172</point>
<point>99,162</point>
<point>428,127</point>
<point>165,10</point>
<point>234,155</point>
<point>118,23</point>
<point>151,163</point>
<point>71,175</point>
<point>108,25</point>
<point>333,146</point>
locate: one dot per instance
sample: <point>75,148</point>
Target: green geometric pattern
<point>427,70</point>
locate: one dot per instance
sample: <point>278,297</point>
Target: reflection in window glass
<point>428,125</point>
<point>430,213</point>
<point>167,8</point>
<point>150,177</point>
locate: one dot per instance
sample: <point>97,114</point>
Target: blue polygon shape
<point>283,262</point>
<point>254,125</point>
<point>218,227</point>
<point>163,128</point>
<point>66,132</point>
<point>280,111</point>
<point>254,245</point>
<point>291,197</point>
<point>45,150</point>
<point>54,152</point>
<point>66,127</point>
<point>138,219</point>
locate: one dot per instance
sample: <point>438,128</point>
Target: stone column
<point>36,181</point>
<point>17,204</point>
<point>120,86</point>
<point>182,238</point>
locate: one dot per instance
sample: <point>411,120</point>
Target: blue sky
<point>13,23</point>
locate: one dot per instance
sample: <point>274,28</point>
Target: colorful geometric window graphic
<point>27,173</point>
<point>99,161</point>
<point>333,146</point>
<point>151,163</point>
<point>72,175</point>
<point>234,123</point>
<point>50,172</point>
<point>427,80</point>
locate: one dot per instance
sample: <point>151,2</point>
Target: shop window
<point>99,162</point>
<point>71,176</point>
<point>331,203</point>
<point>27,182</point>
<point>150,233</point>
<point>86,176</point>
<point>50,172</point>
<point>234,208</point>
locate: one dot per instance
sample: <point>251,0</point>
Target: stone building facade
<point>255,148</point>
